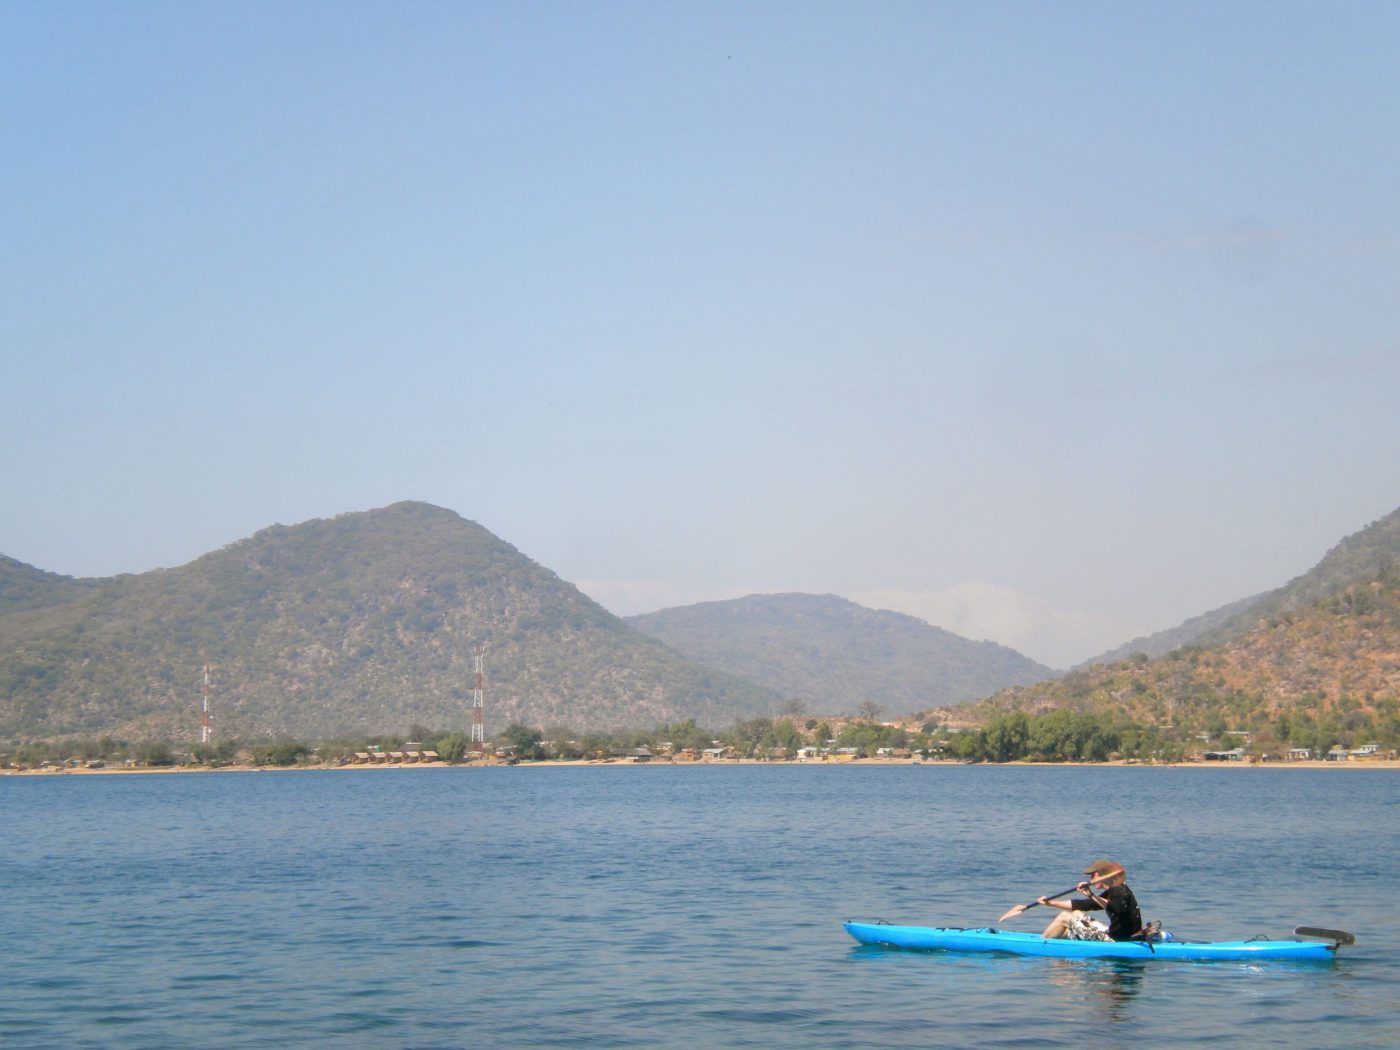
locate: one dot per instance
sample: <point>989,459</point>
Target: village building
<point>1235,754</point>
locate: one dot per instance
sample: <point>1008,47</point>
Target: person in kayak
<point>1105,890</point>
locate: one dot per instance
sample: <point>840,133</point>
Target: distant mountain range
<point>835,655</point>
<point>363,623</point>
<point>368,623</point>
<point>1322,651</point>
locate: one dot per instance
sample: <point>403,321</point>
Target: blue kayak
<point>936,938</point>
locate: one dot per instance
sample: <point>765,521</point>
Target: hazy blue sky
<point>1052,323</point>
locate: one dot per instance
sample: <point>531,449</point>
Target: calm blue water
<point>678,906</point>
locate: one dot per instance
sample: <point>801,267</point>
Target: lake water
<point>679,906</point>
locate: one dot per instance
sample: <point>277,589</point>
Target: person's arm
<point>1098,903</point>
<point>1083,888</point>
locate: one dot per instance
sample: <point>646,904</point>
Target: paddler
<point>1105,890</point>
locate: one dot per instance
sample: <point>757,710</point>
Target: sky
<point>1053,324</point>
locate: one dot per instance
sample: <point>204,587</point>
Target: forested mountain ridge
<point>1186,633</point>
<point>366,622</point>
<point>1367,556</point>
<point>836,655</point>
<point>1314,663</point>
<point>25,587</point>
<point>1364,556</point>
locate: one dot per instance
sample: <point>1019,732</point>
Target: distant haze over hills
<point>363,623</point>
<point>835,655</point>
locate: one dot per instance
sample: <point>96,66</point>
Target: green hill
<point>1314,663</point>
<point>1360,558</point>
<point>25,587</point>
<point>363,623</point>
<point>836,655</point>
<point>1163,642</point>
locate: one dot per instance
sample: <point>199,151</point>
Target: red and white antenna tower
<point>205,732</point>
<point>479,702</point>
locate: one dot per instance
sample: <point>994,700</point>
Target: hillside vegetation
<point>368,624</point>
<point>25,587</point>
<point>1313,664</point>
<point>1367,557</point>
<point>1361,558</point>
<point>1186,633</point>
<point>836,655</point>
<point>362,623</point>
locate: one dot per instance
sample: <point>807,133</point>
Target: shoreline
<point>1370,764</point>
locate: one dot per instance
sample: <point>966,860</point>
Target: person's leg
<point>1059,926</point>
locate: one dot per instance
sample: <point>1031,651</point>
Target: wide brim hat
<point>1103,867</point>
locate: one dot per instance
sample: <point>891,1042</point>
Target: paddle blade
<point>1318,933</point>
<point>1014,912</point>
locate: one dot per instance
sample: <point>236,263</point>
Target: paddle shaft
<point>1050,897</point>
<point>1056,896</point>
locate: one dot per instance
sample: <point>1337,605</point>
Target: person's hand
<point>1083,888</point>
<point>1042,900</point>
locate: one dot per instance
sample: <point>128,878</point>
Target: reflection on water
<point>1100,989</point>
<point>1107,984</point>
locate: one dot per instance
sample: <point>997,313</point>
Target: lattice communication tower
<point>206,732</point>
<point>479,702</point>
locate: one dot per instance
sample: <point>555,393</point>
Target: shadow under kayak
<point>936,938</point>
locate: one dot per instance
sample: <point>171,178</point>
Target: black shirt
<point>1124,919</point>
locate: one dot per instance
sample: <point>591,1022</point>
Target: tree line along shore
<point>1059,737</point>
<point>672,762</point>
